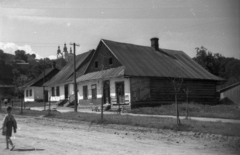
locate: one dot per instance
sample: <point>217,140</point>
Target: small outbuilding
<point>230,94</point>
<point>34,90</point>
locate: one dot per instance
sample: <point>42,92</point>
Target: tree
<point>2,57</point>
<point>227,68</point>
<point>207,60</point>
<point>177,82</point>
<point>21,55</point>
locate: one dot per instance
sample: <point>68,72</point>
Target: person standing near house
<point>9,123</point>
<point>5,101</point>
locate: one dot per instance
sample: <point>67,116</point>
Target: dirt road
<point>54,137</point>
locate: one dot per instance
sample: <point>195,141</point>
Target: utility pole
<point>75,83</point>
<point>44,104</point>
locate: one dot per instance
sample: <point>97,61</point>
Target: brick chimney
<point>154,43</point>
<point>54,64</point>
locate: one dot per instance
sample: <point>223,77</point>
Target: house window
<point>30,92</point>
<point>27,93</point>
<point>58,92</point>
<point>94,91</point>
<point>53,91</point>
<point>85,92</point>
<point>96,64</point>
<point>120,92</point>
<point>110,61</point>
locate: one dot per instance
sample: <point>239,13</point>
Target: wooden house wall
<point>160,91</point>
<point>232,95</point>
<point>140,89</point>
<point>102,56</point>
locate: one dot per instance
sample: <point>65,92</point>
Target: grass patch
<point>152,122</point>
<point>195,110</point>
<point>28,104</point>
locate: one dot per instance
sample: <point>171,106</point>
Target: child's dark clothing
<point>9,122</point>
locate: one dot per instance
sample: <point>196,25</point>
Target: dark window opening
<point>94,91</point>
<point>110,61</point>
<point>27,93</point>
<point>58,92</point>
<point>96,64</point>
<point>30,92</point>
<point>120,92</point>
<point>53,91</point>
<point>85,92</point>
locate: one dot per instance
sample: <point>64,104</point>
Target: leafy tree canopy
<point>13,73</point>
<point>227,68</point>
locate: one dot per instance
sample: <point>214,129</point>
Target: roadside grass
<point>195,110</point>
<point>28,104</point>
<point>228,129</point>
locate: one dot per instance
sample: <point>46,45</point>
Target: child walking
<point>9,123</point>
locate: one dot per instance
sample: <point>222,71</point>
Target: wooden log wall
<point>162,92</point>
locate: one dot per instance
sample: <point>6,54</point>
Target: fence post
<point>49,106</point>
<point>21,106</point>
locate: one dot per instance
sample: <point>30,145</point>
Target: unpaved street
<point>45,137</point>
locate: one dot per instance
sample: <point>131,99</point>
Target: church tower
<point>59,53</point>
<point>70,55</point>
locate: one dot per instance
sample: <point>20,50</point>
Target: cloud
<point>12,47</point>
<point>52,57</point>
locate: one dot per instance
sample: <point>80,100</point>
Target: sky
<point>40,26</point>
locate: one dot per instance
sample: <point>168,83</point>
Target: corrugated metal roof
<point>40,77</point>
<point>67,71</point>
<point>146,61</point>
<point>113,72</point>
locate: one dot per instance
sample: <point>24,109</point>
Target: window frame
<point>30,92</point>
<point>53,91</point>
<point>96,64</point>
<point>85,92</point>
<point>110,60</point>
<point>94,91</point>
<point>57,91</point>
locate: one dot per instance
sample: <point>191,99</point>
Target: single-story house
<point>60,86</point>
<point>231,94</point>
<point>33,90</point>
<point>134,75</point>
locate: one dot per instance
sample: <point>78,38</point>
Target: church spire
<point>65,48</point>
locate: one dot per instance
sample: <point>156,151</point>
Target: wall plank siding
<point>102,57</point>
<point>161,91</point>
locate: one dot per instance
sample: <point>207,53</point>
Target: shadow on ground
<point>27,149</point>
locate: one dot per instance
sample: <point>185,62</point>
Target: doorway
<point>120,92</point>
<point>46,96</point>
<point>66,91</point>
<point>106,92</point>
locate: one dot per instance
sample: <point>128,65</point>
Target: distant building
<point>61,86</point>
<point>33,90</point>
<point>230,94</point>
<point>68,56</point>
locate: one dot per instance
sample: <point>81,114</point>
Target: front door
<point>46,95</point>
<point>120,92</point>
<point>106,92</point>
<point>66,91</point>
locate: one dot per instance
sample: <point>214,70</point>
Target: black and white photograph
<point>119,77</point>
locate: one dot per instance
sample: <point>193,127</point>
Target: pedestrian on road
<point>9,123</point>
